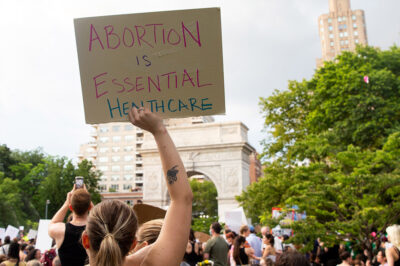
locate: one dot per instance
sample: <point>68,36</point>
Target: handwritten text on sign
<point>170,62</point>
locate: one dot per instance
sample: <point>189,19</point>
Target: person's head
<point>230,237</point>
<point>215,228</point>
<point>29,248</point>
<point>237,244</point>
<point>80,202</point>
<point>7,240</point>
<point>244,231</point>
<point>381,257</point>
<point>269,239</point>
<point>56,261</point>
<point>345,257</point>
<point>13,250</point>
<point>252,229</point>
<point>110,233</point>
<point>266,262</point>
<point>265,230</point>
<point>358,262</point>
<point>148,233</point>
<point>23,247</point>
<point>292,258</point>
<point>393,232</point>
<point>34,263</point>
<point>34,254</point>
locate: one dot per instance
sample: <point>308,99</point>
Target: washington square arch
<point>219,151</point>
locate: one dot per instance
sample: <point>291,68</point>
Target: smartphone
<point>78,182</point>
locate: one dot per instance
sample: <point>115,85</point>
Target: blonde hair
<point>243,229</point>
<point>149,231</point>
<point>111,228</point>
<point>393,232</point>
<point>33,263</point>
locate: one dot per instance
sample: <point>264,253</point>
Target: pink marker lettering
<point>184,29</point>
<point>169,35</point>
<point>111,32</point>
<point>139,84</point>
<point>189,78</point>
<point>93,30</point>
<point>198,80</point>
<point>96,85</point>
<point>124,34</point>
<point>167,74</point>
<point>154,30</point>
<point>139,37</point>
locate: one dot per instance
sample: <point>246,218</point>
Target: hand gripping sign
<point>170,62</point>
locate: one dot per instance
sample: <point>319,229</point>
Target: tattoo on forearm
<point>171,175</point>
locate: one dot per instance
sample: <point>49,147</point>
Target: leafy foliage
<point>334,149</point>
<point>204,198</point>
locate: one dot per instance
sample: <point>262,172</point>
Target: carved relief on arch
<point>231,179</point>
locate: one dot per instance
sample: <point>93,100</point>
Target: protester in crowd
<point>4,248</point>
<point>315,260</point>
<point>13,256</point>
<point>34,263</point>
<point>393,253</point>
<point>148,233</point>
<point>266,262</point>
<point>241,254</point>
<point>111,225</point>
<point>3,258</point>
<point>216,248</point>
<point>67,236</point>
<point>381,258</point>
<point>192,254</point>
<point>34,254</point>
<point>345,258</point>
<point>22,251</point>
<point>255,243</point>
<point>269,251</point>
<point>245,232</point>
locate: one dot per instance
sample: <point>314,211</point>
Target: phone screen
<point>78,182</point>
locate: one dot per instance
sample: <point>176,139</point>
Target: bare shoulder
<point>56,230</point>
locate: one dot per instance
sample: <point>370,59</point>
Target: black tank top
<point>244,259</point>
<point>71,251</point>
<point>192,258</point>
<point>397,262</point>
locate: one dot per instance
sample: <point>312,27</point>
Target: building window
<point>116,138</point>
<point>356,41</point>
<point>355,25</point>
<point>103,129</point>
<point>103,168</point>
<point>339,19</point>
<point>346,41</point>
<point>127,187</point>
<point>103,159</point>
<point>115,177</point>
<point>139,184</point>
<point>341,34</point>
<point>116,149</point>
<point>102,187</point>
<point>344,18</point>
<point>116,158</point>
<point>114,187</point>
<point>128,127</point>
<point>103,178</point>
<point>345,34</point>
<point>321,22</point>
<point>115,128</point>
<point>104,139</point>
<point>331,35</point>
<point>356,33</point>
<point>128,158</point>
<point>129,138</point>
<point>330,28</point>
<point>341,42</point>
<point>128,177</point>
<point>344,26</point>
<point>128,148</point>
<point>128,167</point>
<point>103,150</point>
<point>354,17</point>
<point>129,202</point>
<point>332,43</point>
<point>329,20</point>
<point>115,168</point>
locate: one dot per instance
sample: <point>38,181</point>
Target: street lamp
<point>47,204</point>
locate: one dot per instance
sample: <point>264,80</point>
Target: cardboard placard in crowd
<point>32,234</point>
<point>12,232</point>
<point>43,241</point>
<point>170,62</point>
<point>2,233</point>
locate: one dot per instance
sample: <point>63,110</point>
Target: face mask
<point>210,232</point>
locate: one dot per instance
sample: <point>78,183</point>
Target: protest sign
<point>235,218</point>
<point>169,62</point>
<point>43,241</point>
<point>32,234</point>
<point>2,233</point>
<point>12,232</point>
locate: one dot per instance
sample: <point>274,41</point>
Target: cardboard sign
<point>235,218</point>
<point>169,62</point>
<point>32,234</point>
<point>43,241</point>
<point>12,232</point>
<point>145,213</point>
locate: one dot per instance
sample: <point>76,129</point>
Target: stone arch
<point>218,150</point>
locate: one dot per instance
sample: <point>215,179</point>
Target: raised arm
<point>176,226</point>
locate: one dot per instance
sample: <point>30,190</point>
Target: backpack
<point>48,257</point>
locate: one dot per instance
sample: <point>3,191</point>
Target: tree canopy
<point>29,179</point>
<point>333,149</point>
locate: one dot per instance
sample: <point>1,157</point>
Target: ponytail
<point>109,253</point>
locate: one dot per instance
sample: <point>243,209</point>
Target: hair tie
<point>109,235</point>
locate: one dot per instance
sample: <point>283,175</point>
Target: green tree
<point>204,198</point>
<point>333,149</point>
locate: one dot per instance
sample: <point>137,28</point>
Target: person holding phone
<point>68,235</point>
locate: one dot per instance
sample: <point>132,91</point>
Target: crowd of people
<point>108,234</point>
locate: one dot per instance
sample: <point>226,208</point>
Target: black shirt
<point>71,251</point>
